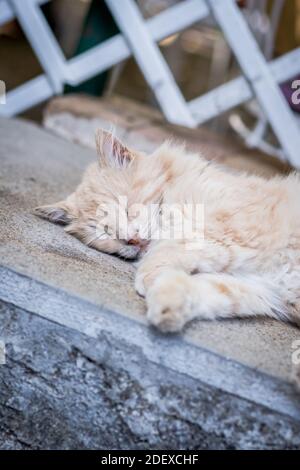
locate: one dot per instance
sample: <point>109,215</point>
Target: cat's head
<point>116,208</point>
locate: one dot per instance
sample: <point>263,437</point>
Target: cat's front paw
<point>169,301</point>
<point>144,279</point>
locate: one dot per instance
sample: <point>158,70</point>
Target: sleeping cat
<point>248,261</point>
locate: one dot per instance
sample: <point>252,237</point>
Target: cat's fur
<point>249,263</point>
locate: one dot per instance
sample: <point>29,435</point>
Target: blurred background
<point>199,56</point>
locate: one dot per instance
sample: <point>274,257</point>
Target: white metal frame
<point>7,13</point>
<point>257,14</point>
<point>139,39</point>
<point>59,72</point>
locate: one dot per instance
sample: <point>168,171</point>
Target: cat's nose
<point>137,241</point>
<point>134,241</point>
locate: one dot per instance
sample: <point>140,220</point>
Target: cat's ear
<point>112,153</point>
<point>57,213</point>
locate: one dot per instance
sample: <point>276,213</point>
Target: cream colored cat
<point>249,261</point>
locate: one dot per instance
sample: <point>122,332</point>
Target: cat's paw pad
<point>169,302</point>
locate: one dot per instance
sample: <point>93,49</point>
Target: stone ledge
<point>170,351</point>
<point>62,389</point>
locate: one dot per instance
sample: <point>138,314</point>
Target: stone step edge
<point>169,351</point>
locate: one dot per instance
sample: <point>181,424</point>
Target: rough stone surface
<point>81,361</point>
<point>63,390</point>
